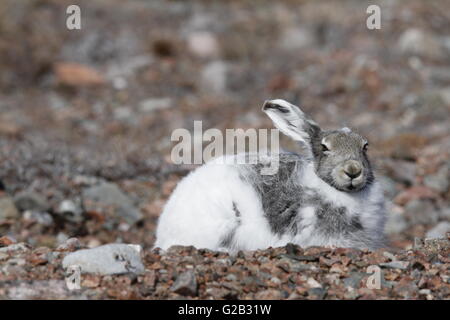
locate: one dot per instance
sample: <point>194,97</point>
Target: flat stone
<point>113,258</point>
<point>214,77</point>
<point>71,211</point>
<point>354,279</point>
<point>16,247</point>
<point>402,265</point>
<point>439,231</point>
<point>36,289</point>
<point>418,42</point>
<point>296,39</point>
<point>108,198</point>
<point>185,284</point>
<point>30,200</point>
<point>41,218</point>
<point>203,44</point>
<point>8,209</point>
<point>438,181</point>
<point>421,212</point>
<point>396,221</point>
<point>317,293</point>
<point>154,104</point>
<point>312,283</point>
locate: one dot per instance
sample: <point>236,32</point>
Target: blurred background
<point>86,115</point>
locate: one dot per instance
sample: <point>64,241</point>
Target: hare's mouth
<point>353,186</point>
<point>347,182</point>
<point>350,185</point>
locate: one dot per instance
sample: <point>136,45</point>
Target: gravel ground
<point>86,118</point>
<point>282,273</point>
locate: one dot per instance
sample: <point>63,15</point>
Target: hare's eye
<point>366,146</point>
<point>325,148</point>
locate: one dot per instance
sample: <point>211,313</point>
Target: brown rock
<point>9,128</point>
<point>6,241</point>
<point>90,281</point>
<point>185,284</point>
<point>77,75</point>
<point>8,209</point>
<point>150,279</point>
<point>71,244</point>
<point>270,294</point>
<point>403,146</point>
<point>414,193</point>
<point>39,256</point>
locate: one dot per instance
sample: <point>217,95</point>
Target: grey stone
<point>275,280</point>
<point>153,104</point>
<point>390,256</point>
<point>396,221</point>
<point>8,209</point>
<point>231,277</point>
<point>107,259</point>
<point>16,262</point>
<point>438,181</point>
<point>107,197</point>
<point>299,267</point>
<point>16,247</point>
<point>42,218</point>
<point>30,200</point>
<point>400,170</point>
<point>85,180</point>
<point>185,284</point>
<point>61,237</point>
<point>354,279</point>
<point>317,293</point>
<point>56,101</point>
<point>436,245</point>
<point>389,186</point>
<point>417,42</point>
<point>313,283</point>
<point>402,265</point>
<point>445,95</point>
<point>421,212</point>
<point>446,43</point>
<point>50,289</point>
<point>214,77</point>
<point>123,113</point>
<point>71,211</point>
<point>203,44</point>
<point>439,75</point>
<point>70,244</point>
<point>445,213</point>
<point>296,38</point>
<point>439,231</point>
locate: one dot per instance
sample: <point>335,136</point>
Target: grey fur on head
<point>339,156</point>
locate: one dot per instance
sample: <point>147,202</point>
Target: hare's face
<point>340,159</point>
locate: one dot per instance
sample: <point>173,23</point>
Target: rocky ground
<point>86,119</point>
<point>187,273</point>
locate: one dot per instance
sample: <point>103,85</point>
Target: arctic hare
<point>327,198</point>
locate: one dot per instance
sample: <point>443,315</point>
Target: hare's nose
<point>352,169</point>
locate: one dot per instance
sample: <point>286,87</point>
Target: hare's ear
<point>292,121</point>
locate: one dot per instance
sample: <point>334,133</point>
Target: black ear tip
<point>267,105</point>
<point>270,104</point>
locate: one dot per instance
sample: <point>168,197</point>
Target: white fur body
<point>200,211</point>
